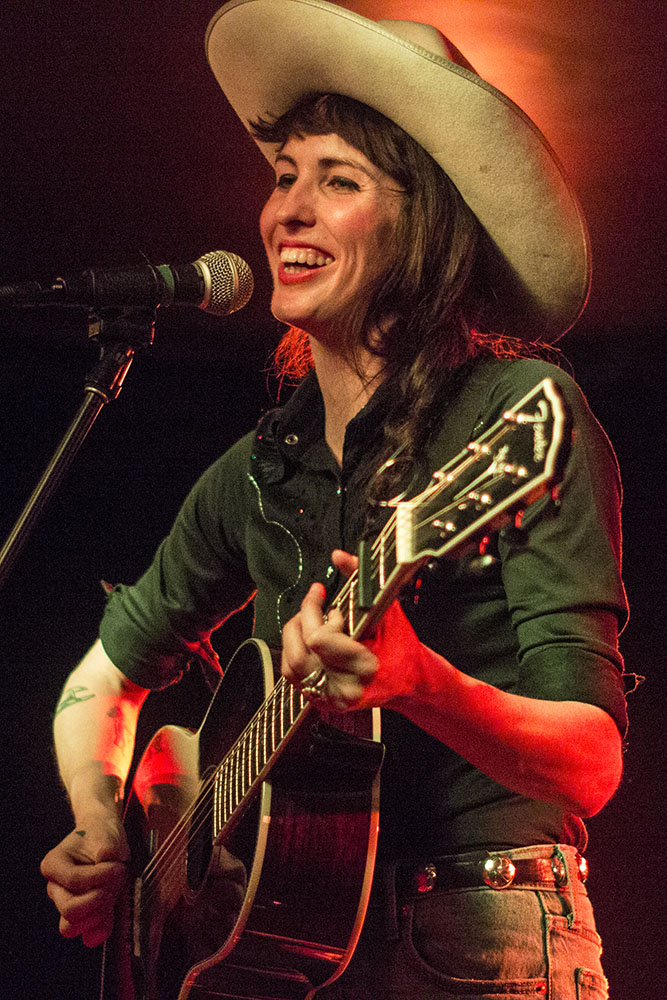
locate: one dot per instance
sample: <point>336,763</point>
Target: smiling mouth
<point>297,260</point>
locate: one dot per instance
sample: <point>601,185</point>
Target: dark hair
<point>428,304</point>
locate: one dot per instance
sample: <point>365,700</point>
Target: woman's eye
<point>345,183</point>
<point>285,180</point>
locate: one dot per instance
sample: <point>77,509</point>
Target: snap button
<point>292,439</point>
<point>499,872</point>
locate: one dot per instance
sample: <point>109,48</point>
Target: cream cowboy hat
<point>266,54</point>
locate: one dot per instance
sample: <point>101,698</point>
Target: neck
<point>345,391</point>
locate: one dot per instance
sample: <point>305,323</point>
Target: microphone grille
<point>229,282</point>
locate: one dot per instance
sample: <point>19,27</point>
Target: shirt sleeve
<point>197,578</point>
<point>564,590</point>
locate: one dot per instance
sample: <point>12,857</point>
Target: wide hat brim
<point>267,54</point>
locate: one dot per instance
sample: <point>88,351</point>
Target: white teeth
<point>304,255</point>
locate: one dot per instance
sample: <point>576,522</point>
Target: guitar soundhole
<point>200,840</point>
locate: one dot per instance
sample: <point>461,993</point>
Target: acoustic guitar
<point>254,838</point>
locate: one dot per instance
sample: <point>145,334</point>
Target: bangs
<point>381,141</point>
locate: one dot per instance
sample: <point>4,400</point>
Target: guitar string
<point>437,486</point>
<point>172,871</point>
<point>184,827</point>
<point>236,754</point>
<point>250,733</point>
<point>254,725</point>
<point>199,813</point>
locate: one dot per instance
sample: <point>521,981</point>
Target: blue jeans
<point>480,943</point>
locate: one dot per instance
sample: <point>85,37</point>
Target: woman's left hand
<point>314,643</point>
<point>358,674</point>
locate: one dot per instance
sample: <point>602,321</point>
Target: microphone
<point>218,282</point>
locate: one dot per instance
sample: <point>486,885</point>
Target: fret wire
<point>240,785</point>
<point>290,705</point>
<point>228,794</point>
<point>220,801</point>
<point>228,791</point>
<point>257,765</point>
<point>350,612</point>
<point>237,797</point>
<point>232,775</point>
<point>243,753</point>
<point>276,716</point>
<point>249,757</point>
<point>235,780</point>
<point>230,782</point>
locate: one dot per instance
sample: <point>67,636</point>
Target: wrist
<point>94,792</point>
<point>432,675</point>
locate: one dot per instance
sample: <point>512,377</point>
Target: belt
<point>498,871</point>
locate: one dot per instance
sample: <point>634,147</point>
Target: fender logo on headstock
<point>538,420</point>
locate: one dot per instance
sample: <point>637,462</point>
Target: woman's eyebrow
<point>287,159</point>
<point>327,162</point>
<point>338,161</point>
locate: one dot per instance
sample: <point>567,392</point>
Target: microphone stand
<point>119,333</point>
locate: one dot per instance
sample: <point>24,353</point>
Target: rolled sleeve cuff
<point>570,673</point>
<point>126,645</point>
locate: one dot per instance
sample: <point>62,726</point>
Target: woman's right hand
<point>86,872</point>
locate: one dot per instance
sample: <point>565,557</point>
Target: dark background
<point>116,143</point>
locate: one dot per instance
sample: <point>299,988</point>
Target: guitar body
<point>235,909</point>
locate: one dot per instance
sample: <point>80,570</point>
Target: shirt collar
<point>301,421</point>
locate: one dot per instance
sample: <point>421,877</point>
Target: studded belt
<point>498,871</point>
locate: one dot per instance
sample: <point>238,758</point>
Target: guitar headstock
<point>515,462</point>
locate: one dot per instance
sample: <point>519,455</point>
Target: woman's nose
<point>297,207</point>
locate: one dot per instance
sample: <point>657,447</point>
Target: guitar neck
<point>516,461</point>
<point>379,579</point>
